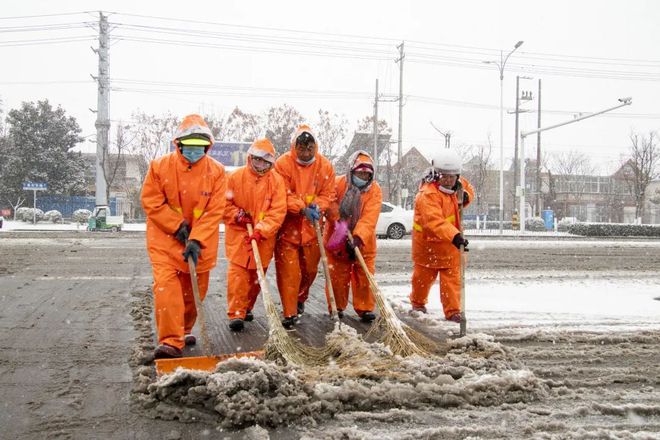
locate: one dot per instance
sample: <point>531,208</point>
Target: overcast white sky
<point>587,53</point>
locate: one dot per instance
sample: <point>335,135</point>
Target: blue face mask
<point>192,154</point>
<point>358,182</point>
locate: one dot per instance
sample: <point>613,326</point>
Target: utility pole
<point>102,112</point>
<point>400,139</point>
<point>376,130</point>
<point>525,96</point>
<point>447,134</point>
<point>515,154</point>
<point>538,155</point>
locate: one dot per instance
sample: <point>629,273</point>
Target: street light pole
<point>501,66</point>
<point>523,135</point>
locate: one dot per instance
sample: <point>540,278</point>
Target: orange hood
<point>264,149</point>
<point>193,124</point>
<point>304,128</point>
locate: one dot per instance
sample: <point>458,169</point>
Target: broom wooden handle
<point>257,259</point>
<point>385,309</point>
<point>206,345</point>
<point>330,293</point>
<point>463,328</point>
<point>363,264</point>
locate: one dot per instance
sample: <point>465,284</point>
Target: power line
<point>350,46</point>
<point>241,36</point>
<point>245,48</point>
<point>44,15</point>
<point>32,83</point>
<point>44,41</point>
<point>262,28</point>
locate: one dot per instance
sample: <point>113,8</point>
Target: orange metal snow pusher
<point>207,362</point>
<point>203,363</point>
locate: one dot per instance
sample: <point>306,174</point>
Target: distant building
<point>364,141</point>
<point>589,198</point>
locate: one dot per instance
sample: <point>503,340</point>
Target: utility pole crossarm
<point>625,102</point>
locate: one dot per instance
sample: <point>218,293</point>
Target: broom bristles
<point>398,336</point>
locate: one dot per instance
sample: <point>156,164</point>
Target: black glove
<point>459,241</point>
<point>193,249</point>
<point>466,198</point>
<point>350,250</point>
<point>183,232</point>
<point>357,243</point>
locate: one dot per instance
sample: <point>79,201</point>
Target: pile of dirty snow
<point>244,392</point>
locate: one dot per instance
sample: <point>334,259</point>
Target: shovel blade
<point>202,363</point>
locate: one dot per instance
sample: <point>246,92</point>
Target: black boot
<point>340,314</point>
<point>236,325</point>
<point>164,351</point>
<point>301,308</point>
<point>288,323</point>
<point>249,317</point>
<point>367,317</point>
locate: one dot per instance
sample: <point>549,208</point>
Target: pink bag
<point>338,238</point>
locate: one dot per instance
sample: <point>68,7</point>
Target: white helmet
<point>447,161</point>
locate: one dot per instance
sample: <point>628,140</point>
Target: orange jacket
<point>436,222</point>
<point>305,185</point>
<point>264,198</point>
<point>175,190</point>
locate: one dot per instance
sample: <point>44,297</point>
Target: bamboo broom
<point>399,337</point>
<point>279,340</point>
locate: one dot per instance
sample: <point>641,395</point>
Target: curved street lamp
<point>500,65</point>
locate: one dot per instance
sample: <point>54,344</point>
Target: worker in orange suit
<point>310,183</point>
<point>256,195</point>
<point>183,197</point>
<point>437,236</point>
<point>359,199</point>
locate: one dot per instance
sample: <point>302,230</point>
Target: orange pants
<point>174,303</point>
<point>296,267</point>
<point>450,287</point>
<point>345,274</point>
<point>242,290</point>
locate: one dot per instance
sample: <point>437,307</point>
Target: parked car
<point>394,222</point>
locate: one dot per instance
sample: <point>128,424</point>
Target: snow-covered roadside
<point>534,302</point>
<point>10,225</point>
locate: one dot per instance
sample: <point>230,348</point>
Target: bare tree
<point>113,162</point>
<point>281,123</point>
<point>331,131</point>
<point>242,127</point>
<point>572,172</point>
<point>478,170</point>
<point>641,167</point>
<point>218,126</point>
<point>152,137</point>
